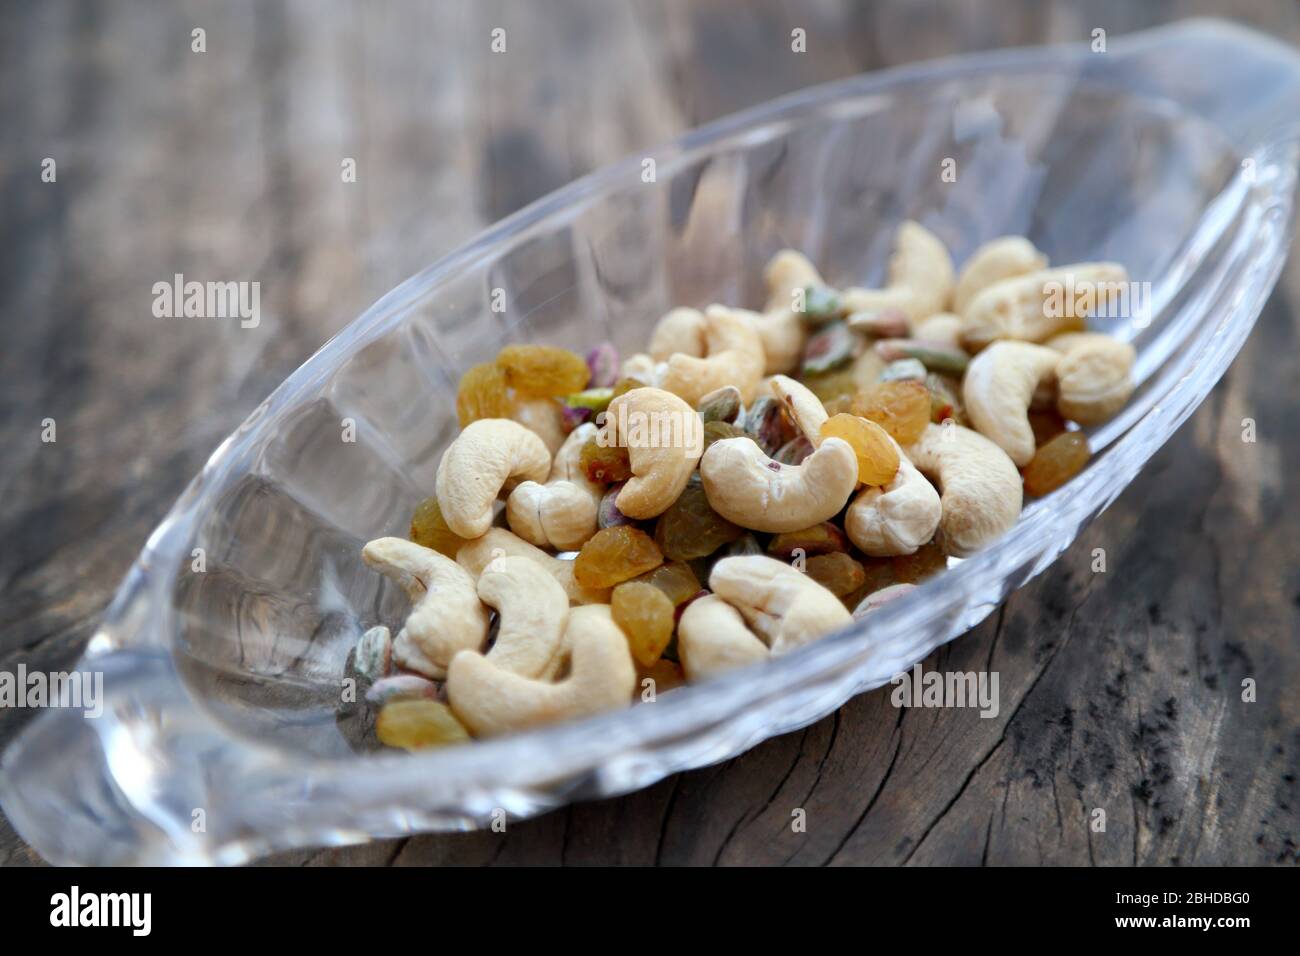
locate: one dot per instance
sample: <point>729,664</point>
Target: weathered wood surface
<point>1119,690</point>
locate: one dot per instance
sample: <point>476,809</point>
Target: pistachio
<point>935,356</point>
<point>720,405</point>
<point>883,324</point>
<point>822,538</point>
<point>603,363</point>
<point>821,303</point>
<point>716,431</point>
<point>767,422</point>
<point>945,399</point>
<point>904,370</point>
<point>830,348</point>
<point>794,451</point>
<point>591,399</point>
<point>374,653</point>
<point>401,687</point>
<point>745,544</point>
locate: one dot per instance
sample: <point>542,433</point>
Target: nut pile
<point>752,482</point>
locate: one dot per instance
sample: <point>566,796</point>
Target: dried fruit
<point>1046,426</point>
<point>614,555</point>
<point>690,528</point>
<point>720,405</point>
<point>602,363</point>
<point>830,348</point>
<point>675,579</point>
<point>819,539</point>
<point>645,615</point>
<point>769,424</point>
<point>607,514</point>
<point>928,561</point>
<point>483,393</point>
<point>1056,462</point>
<point>900,408</point>
<point>625,385</point>
<point>429,529</point>
<point>837,572</point>
<point>605,464</point>
<point>821,303</point>
<point>665,673</point>
<point>419,724</point>
<point>717,431</point>
<point>903,370</point>
<point>877,456</point>
<point>543,371</point>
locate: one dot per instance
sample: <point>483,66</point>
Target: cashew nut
<point>734,357</point>
<point>487,457</point>
<point>475,555</point>
<point>805,408</point>
<point>544,418</point>
<point>560,514</point>
<point>1094,376</point>
<point>786,272</point>
<point>664,438</point>
<point>641,367</point>
<point>999,385</point>
<point>1003,258</point>
<point>898,518</point>
<point>490,700</point>
<point>942,327</point>
<point>712,637</point>
<point>921,277</point>
<point>680,330</point>
<point>446,615</point>
<point>782,605</point>
<point>749,489</point>
<point>533,611</point>
<point>1036,306</point>
<point>979,487</point>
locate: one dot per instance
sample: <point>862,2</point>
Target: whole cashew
<point>490,701</point>
<point>805,408</point>
<point>543,417</point>
<point>898,518</point>
<point>1035,307</point>
<point>475,555</point>
<point>749,489</point>
<point>1003,258</point>
<point>533,611</point>
<point>712,637</point>
<point>942,327</point>
<point>446,615</point>
<point>560,514</point>
<point>921,277</point>
<point>485,458</point>
<point>641,367</point>
<point>680,330</point>
<point>1094,376</point>
<point>999,386</point>
<point>979,487</point>
<point>783,606</point>
<point>664,438</point>
<point>735,357</point>
<point>786,272</point>
<point>780,327</point>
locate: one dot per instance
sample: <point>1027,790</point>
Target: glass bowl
<point>221,737</point>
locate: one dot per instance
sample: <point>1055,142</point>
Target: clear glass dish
<point>1170,153</point>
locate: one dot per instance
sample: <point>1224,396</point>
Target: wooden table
<point>1119,691</point>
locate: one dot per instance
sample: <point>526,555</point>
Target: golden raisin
<point>666,675</point>
<point>675,579</point>
<point>417,724</point>
<point>1046,425</point>
<point>1056,462</point>
<point>543,371</point>
<point>927,561</point>
<point>837,572</point>
<point>900,408</point>
<point>877,456</point>
<point>614,555</point>
<point>483,394</point>
<point>645,615</point>
<point>428,528</point>
<point>605,464</point>
<point>690,528</point>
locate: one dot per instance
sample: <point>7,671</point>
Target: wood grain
<point>1119,690</point>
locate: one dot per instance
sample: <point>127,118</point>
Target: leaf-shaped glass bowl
<point>1169,153</point>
